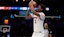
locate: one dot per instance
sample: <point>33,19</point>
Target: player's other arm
<point>27,14</point>
<point>50,35</point>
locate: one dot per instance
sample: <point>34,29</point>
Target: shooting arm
<point>27,14</point>
<point>33,11</point>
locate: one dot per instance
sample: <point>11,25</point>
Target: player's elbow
<point>26,16</point>
<point>50,35</point>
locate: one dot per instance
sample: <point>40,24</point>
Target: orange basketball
<point>32,2</point>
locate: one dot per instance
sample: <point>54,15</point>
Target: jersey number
<point>35,20</point>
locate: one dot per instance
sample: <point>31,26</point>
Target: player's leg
<point>41,35</point>
<point>35,34</point>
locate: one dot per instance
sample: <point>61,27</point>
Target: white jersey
<point>38,22</point>
<point>46,33</point>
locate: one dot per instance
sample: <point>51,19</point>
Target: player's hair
<point>42,6</point>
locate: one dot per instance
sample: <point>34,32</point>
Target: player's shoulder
<point>42,13</point>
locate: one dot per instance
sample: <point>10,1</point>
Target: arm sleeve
<point>42,16</point>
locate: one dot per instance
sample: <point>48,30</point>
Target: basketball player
<point>47,31</point>
<point>38,19</point>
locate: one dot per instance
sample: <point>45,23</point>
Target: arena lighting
<point>15,8</point>
<point>23,8</point>
<point>23,0</point>
<point>1,7</point>
<point>47,8</point>
<point>16,0</point>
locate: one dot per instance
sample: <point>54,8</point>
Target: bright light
<point>1,8</point>
<point>23,0</point>
<point>23,8</point>
<point>16,0</point>
<point>47,9</point>
<point>34,8</point>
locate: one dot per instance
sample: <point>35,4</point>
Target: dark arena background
<point>19,26</point>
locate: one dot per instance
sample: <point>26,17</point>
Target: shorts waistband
<point>38,32</point>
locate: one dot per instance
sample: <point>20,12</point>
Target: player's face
<point>45,25</point>
<point>39,8</point>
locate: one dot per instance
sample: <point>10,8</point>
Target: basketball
<point>32,2</point>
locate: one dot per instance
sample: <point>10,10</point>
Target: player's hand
<point>30,3</point>
<point>32,7</point>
